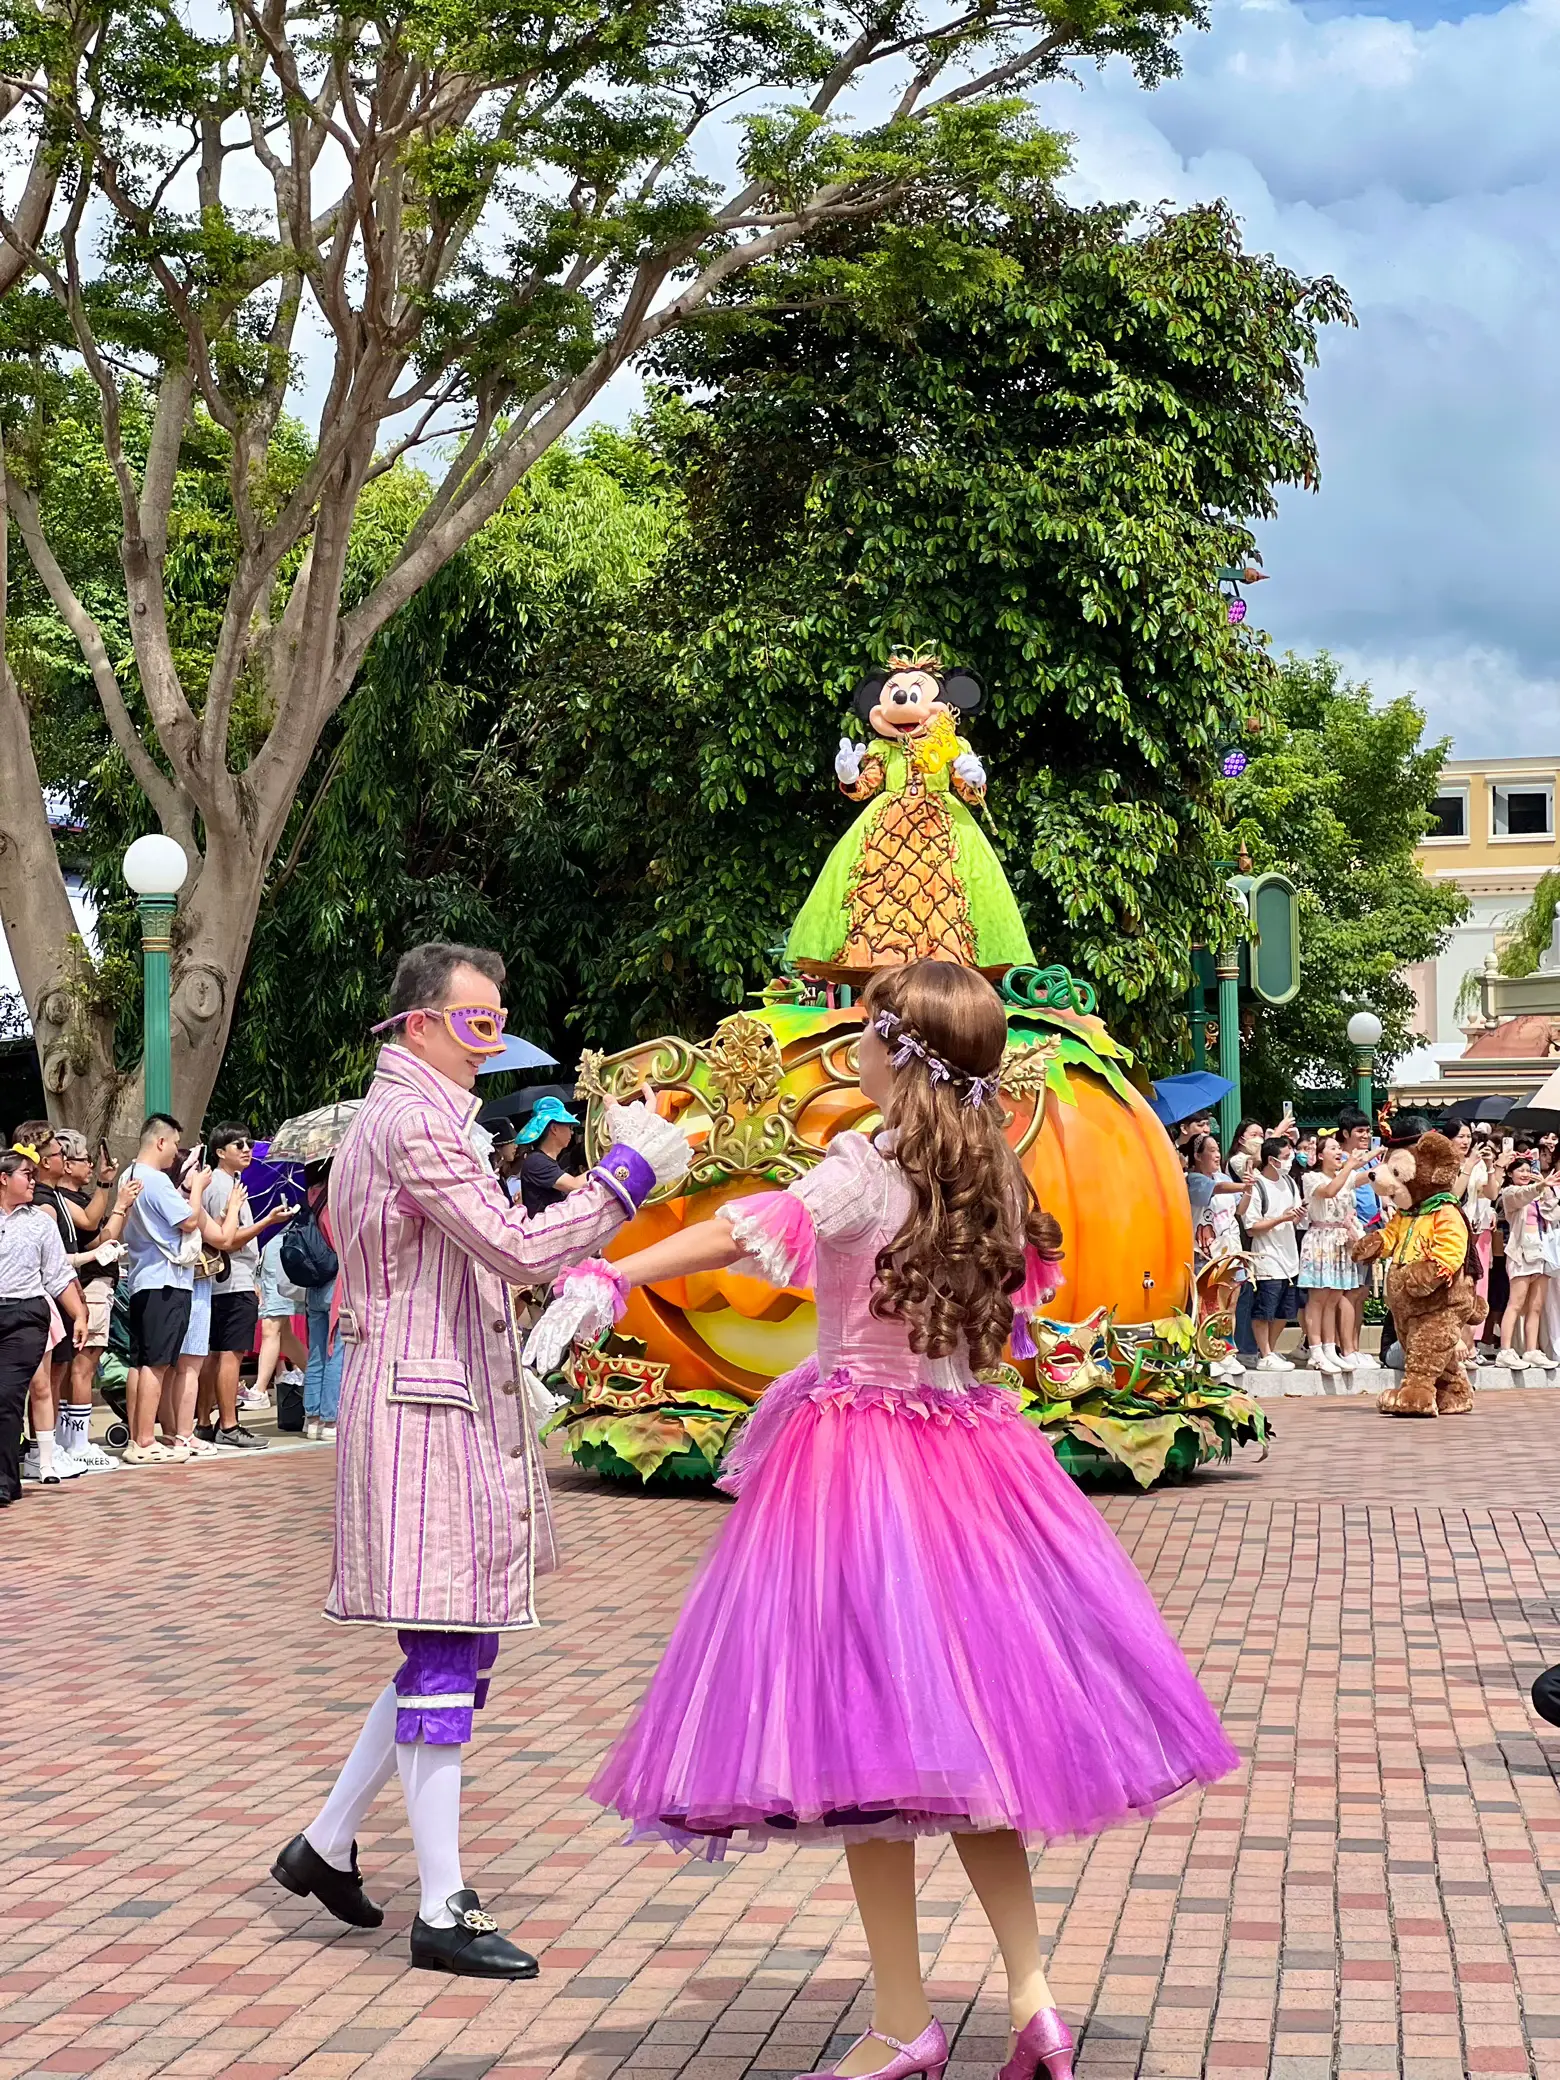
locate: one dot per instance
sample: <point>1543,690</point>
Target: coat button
<point>511,1386</point>
<point>498,1328</point>
<point>517,1451</point>
<point>523,1515</point>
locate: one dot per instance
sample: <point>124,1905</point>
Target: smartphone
<point>1508,1143</point>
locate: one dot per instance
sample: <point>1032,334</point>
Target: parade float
<point>1121,1379</point>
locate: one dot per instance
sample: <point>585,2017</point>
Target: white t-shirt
<point>1275,1253</point>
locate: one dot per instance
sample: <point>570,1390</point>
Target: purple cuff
<point>627,1175</point>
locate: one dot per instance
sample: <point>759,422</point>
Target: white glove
<point>848,761</point>
<point>584,1306</point>
<point>969,769</point>
<point>662,1143</point>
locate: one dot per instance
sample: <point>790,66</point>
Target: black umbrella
<point>1489,1109</point>
<point>519,1104</point>
<point>1539,1114</point>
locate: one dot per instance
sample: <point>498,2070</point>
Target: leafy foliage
<point>1529,933</point>
<point>1337,795</point>
<point>479,215</point>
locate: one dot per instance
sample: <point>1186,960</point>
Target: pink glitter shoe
<point>928,2055</point>
<point>1044,2047</point>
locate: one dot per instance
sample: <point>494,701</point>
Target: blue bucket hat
<point>547,1112</point>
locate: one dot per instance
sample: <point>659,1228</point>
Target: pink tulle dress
<point>912,1621</point>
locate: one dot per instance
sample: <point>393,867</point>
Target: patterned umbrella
<point>313,1137</point>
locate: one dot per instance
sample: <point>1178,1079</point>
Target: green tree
<point>1040,472</point>
<point>1337,795</point>
<point>1037,473</point>
<point>482,213</point>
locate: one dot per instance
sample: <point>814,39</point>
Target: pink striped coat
<point>441,1500</point>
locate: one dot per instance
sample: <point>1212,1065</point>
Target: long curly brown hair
<point>950,1273</point>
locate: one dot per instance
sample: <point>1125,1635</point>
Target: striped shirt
<point>32,1260</point>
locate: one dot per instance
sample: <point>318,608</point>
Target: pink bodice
<point>827,1230</point>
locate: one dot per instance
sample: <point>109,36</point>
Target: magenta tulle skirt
<point>911,1623</point>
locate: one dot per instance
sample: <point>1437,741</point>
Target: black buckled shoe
<point>473,1948</point>
<point>302,1869</point>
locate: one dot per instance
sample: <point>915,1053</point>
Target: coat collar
<point>399,1066</point>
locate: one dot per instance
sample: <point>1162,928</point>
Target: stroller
<point>113,1371</point>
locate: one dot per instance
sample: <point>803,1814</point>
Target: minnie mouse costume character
<point>915,876</point>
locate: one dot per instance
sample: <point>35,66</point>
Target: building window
<point>1449,814</point>
<point>1525,809</point>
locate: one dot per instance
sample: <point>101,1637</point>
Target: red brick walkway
<point>1371,1895</point>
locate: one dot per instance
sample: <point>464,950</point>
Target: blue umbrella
<point>518,1054</point>
<point>1180,1097</point>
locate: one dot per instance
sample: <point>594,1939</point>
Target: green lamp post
<point>155,868</point>
<point>1364,1030</point>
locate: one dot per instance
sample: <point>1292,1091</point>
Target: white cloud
<point>1421,166</point>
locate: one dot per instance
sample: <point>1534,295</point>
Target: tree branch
<point>173,808</point>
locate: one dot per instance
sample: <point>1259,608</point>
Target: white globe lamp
<point>1365,1031</point>
<point>156,866</point>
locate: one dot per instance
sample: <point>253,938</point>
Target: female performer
<point>912,1623</point>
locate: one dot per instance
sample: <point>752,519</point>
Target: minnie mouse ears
<point>960,689</point>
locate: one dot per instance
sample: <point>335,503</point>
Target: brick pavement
<point>1373,1894</point>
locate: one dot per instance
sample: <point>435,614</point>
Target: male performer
<point>441,1499</point>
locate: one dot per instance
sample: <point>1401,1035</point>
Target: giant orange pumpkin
<point>766,1094</point>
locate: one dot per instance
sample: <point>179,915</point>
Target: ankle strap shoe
<point>1043,2049</point>
<point>928,2055</point>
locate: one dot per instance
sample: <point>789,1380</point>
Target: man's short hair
<point>230,1131</point>
<point>1351,1119</point>
<point>73,1146</point>
<point>422,976</point>
<point>33,1133</point>
<point>154,1124</point>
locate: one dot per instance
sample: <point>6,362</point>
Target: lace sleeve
<point>839,1201</point>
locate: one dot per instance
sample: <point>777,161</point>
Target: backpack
<point>307,1258</point>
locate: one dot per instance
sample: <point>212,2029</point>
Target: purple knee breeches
<point>442,1681</point>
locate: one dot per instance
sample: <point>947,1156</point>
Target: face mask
<point>1284,1163</point>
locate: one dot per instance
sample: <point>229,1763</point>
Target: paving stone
<point>1365,1896</point>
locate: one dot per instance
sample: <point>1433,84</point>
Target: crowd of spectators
<point>1275,1214</point>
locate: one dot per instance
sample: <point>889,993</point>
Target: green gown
<point>914,877</point>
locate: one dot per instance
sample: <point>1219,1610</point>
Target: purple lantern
<point>1237,612</point>
<point>1233,764</point>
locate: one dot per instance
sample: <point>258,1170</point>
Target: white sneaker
<point>91,1458</point>
<point>64,1469</point>
<point>1326,1361</point>
<point>1509,1359</point>
<point>327,1433</point>
<point>153,1454</point>
<point>1228,1367</point>
<point>1274,1363</point>
<point>311,1429</point>
<point>1353,1361</point>
<point>1538,1359</point>
<point>250,1399</point>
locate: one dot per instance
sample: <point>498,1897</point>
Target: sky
<point>1413,151</point>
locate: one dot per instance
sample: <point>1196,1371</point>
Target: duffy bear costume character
<point>914,877</point>
<point>1431,1274</point>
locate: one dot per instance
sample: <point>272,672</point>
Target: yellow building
<point>1494,835</point>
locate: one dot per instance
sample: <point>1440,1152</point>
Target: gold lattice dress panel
<point>906,901</point>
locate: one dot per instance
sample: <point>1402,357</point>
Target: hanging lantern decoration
<point>1234,575</point>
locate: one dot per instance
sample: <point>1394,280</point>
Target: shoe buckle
<point>479,1922</point>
